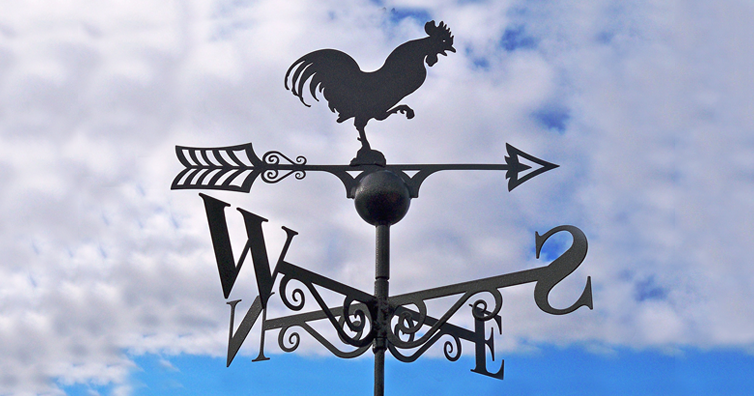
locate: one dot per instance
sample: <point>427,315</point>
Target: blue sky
<point>109,281</point>
<point>552,371</point>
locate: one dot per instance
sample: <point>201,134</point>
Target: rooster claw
<point>368,157</point>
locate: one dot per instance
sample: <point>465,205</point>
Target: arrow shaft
<point>235,168</point>
<point>493,282</point>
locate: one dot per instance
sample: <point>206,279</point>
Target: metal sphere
<point>382,198</point>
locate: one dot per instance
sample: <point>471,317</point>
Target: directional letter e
<point>481,344</point>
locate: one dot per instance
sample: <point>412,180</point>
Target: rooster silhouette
<point>369,95</point>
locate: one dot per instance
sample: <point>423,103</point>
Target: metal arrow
<point>235,168</point>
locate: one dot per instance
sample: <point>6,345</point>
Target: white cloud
<point>101,259</point>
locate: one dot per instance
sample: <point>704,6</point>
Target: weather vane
<point>382,194</point>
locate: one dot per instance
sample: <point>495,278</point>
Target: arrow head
<point>516,167</point>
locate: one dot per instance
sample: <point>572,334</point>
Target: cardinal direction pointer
<point>403,326</point>
<point>235,168</point>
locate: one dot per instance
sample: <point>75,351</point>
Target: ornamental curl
<point>452,352</point>
<point>397,331</point>
<point>273,175</point>
<point>410,322</point>
<point>273,158</point>
<point>356,325</point>
<point>289,342</point>
<point>293,340</point>
<point>354,321</point>
<point>297,295</point>
<point>451,348</point>
<point>479,307</point>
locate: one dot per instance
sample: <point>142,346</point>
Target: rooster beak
<point>451,49</point>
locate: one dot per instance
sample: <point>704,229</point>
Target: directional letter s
<point>560,268</point>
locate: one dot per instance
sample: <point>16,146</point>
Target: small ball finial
<point>382,198</point>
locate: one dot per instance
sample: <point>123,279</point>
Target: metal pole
<point>381,277</point>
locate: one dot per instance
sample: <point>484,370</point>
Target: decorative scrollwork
<point>274,175</point>
<point>358,333</point>
<point>452,352</point>
<point>298,296</point>
<point>273,158</point>
<point>410,322</point>
<point>358,324</point>
<point>479,307</point>
<point>405,317</point>
<point>355,321</point>
<point>293,339</point>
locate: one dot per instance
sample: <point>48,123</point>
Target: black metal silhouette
<point>382,194</point>
<point>369,95</point>
<point>235,168</point>
<point>401,323</point>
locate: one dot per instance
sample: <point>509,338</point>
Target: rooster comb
<point>437,30</point>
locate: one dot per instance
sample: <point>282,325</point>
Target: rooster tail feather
<point>297,82</point>
<point>307,73</point>
<point>316,83</point>
<point>299,65</point>
<point>288,74</point>
<point>331,74</point>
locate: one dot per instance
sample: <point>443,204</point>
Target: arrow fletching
<point>231,168</point>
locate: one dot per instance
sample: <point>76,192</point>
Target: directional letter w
<point>255,244</point>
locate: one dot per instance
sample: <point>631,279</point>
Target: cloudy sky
<point>108,283</point>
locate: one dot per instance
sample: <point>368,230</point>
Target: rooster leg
<point>365,155</point>
<point>363,139</point>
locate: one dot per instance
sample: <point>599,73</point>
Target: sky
<point>108,282</point>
